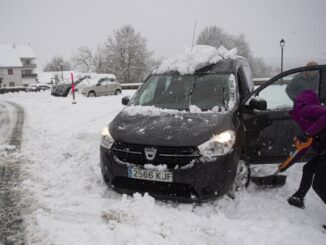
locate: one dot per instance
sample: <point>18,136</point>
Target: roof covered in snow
<point>10,55</point>
<point>9,58</point>
<point>193,59</point>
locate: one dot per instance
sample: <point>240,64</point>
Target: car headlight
<point>218,145</point>
<point>106,139</point>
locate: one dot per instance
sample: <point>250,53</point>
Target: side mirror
<point>258,103</point>
<point>125,100</point>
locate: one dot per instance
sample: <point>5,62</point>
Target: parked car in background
<point>12,90</point>
<point>38,87</point>
<point>100,85</point>
<point>63,89</point>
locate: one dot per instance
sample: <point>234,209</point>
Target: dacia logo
<point>150,153</point>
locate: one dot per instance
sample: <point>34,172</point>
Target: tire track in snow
<point>11,231</point>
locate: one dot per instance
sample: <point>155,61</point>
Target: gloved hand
<point>303,137</point>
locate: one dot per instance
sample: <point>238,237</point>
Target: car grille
<point>171,156</point>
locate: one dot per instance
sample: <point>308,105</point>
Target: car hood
<point>169,129</point>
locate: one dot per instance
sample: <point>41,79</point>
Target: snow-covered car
<point>63,89</point>
<point>191,132</point>
<point>101,85</point>
<point>38,87</point>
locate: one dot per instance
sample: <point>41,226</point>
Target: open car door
<point>269,129</point>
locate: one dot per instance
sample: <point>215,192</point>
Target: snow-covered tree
<point>82,60</point>
<point>57,63</point>
<point>85,61</point>
<point>259,68</point>
<point>99,60</point>
<point>216,36</point>
<point>127,54</point>
<point>213,36</point>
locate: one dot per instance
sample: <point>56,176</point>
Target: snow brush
<point>276,180</point>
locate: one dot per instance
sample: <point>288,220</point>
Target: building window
<point>10,71</point>
<point>26,72</point>
<point>11,84</point>
<point>26,62</point>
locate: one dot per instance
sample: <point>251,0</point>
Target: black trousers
<point>313,174</point>
<point>319,184</point>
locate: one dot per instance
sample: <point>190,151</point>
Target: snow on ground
<point>5,117</point>
<point>65,200</point>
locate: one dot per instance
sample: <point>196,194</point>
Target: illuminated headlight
<point>106,139</point>
<point>218,145</point>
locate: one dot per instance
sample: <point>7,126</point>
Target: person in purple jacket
<point>310,115</point>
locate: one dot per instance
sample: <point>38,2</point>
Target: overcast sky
<point>59,27</point>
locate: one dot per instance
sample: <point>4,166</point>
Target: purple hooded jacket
<point>310,115</point>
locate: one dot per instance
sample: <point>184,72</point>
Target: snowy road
<point>64,199</point>
<point>11,115</point>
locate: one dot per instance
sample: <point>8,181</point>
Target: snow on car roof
<point>193,59</point>
<point>94,79</point>
<point>102,75</point>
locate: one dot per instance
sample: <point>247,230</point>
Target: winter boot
<point>296,201</point>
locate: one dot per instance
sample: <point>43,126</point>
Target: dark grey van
<point>192,137</point>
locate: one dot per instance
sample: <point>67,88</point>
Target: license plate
<point>144,174</point>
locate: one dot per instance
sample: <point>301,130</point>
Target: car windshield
<point>174,91</point>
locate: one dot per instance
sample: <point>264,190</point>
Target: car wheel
<point>118,91</point>
<point>91,94</point>
<point>242,178</point>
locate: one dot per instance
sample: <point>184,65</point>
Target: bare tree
<point>57,63</point>
<point>127,54</point>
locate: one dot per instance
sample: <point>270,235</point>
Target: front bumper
<point>201,182</point>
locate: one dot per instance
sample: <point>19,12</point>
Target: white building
<point>17,65</point>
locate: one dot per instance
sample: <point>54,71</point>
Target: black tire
<point>118,91</point>
<point>242,178</point>
<point>91,94</point>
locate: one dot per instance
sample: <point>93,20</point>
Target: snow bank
<point>192,60</point>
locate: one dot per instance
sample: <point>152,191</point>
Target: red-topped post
<point>72,88</point>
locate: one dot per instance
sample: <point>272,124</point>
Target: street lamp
<point>282,43</point>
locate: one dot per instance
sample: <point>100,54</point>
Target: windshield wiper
<point>191,92</point>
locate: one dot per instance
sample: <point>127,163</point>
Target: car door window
<point>248,76</point>
<point>100,82</point>
<point>281,94</point>
<point>112,80</point>
<point>270,133</point>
